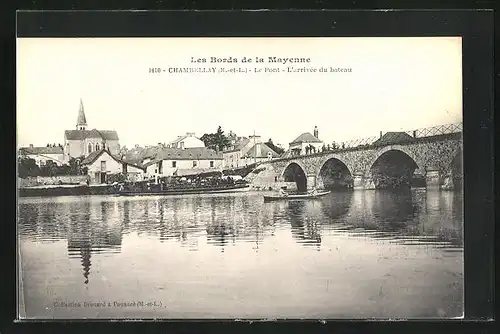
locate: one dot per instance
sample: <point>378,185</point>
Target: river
<point>366,254</point>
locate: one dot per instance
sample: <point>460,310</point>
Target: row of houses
<point>184,155</point>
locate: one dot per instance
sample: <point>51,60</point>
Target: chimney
<point>31,145</point>
<point>316,132</point>
<point>414,133</point>
<point>380,134</point>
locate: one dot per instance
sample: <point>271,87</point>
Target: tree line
<point>219,141</point>
<point>27,167</point>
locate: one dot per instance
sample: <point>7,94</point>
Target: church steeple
<point>81,123</point>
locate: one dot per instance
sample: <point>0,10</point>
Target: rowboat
<point>295,196</point>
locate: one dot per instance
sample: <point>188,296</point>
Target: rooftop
<point>393,138</point>
<point>138,154</point>
<point>264,150</point>
<point>239,145</point>
<point>195,153</point>
<point>181,138</point>
<point>41,150</point>
<point>94,133</point>
<point>92,157</point>
<point>306,137</point>
<point>82,120</point>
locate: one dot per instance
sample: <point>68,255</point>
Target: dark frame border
<point>476,28</point>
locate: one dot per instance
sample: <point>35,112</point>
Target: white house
<point>187,161</point>
<point>102,163</point>
<point>237,155</point>
<point>306,143</point>
<point>187,141</point>
<point>43,154</point>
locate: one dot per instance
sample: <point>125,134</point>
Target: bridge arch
<point>457,169</point>
<point>295,171</point>
<point>453,178</point>
<point>392,167</point>
<point>334,172</point>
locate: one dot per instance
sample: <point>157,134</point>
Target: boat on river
<point>289,197</point>
<point>236,188</point>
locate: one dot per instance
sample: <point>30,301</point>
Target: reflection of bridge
<point>392,161</point>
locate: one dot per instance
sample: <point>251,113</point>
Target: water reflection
<point>404,217</point>
<point>97,225</point>
<point>93,228</point>
<point>306,228</point>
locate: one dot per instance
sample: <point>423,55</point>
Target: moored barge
<point>154,191</point>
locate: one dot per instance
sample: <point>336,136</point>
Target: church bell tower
<point>81,123</point>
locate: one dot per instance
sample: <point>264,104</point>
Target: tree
<point>221,141</point>
<point>27,167</point>
<point>74,166</point>
<point>49,169</point>
<point>123,152</point>
<point>217,140</point>
<point>64,170</point>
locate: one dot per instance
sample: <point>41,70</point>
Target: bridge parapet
<point>432,134</point>
<point>429,157</point>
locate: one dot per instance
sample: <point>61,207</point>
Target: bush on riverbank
<point>27,167</point>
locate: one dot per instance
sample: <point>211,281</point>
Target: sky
<point>394,84</point>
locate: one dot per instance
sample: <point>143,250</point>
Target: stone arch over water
<point>333,173</point>
<point>457,170</point>
<point>294,172</point>
<point>453,178</point>
<point>392,167</point>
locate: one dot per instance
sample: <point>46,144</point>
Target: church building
<point>82,142</point>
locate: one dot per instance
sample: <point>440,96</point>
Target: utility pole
<point>255,155</point>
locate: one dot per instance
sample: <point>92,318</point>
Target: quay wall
<point>82,190</point>
<point>51,180</point>
<point>274,186</point>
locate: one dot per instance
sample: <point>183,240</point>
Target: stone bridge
<point>434,162</point>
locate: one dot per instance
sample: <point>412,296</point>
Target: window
<point>195,163</point>
<point>103,166</point>
<point>90,147</point>
<point>103,145</point>
<point>97,147</point>
<point>211,164</point>
<point>160,167</point>
<point>174,164</point>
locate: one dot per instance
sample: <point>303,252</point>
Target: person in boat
<point>313,191</point>
<point>283,193</point>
